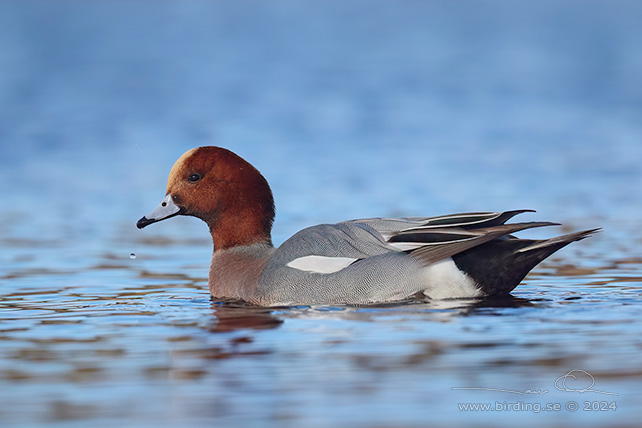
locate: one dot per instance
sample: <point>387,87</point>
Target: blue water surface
<point>350,109</point>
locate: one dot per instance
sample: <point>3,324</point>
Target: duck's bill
<point>164,210</point>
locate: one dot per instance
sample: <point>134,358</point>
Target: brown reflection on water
<point>235,316</point>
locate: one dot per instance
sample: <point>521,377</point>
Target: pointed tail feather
<point>564,240</point>
<point>434,251</point>
<point>501,219</point>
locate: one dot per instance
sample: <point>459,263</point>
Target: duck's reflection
<point>507,301</point>
<point>237,315</point>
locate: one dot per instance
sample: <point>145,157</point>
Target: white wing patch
<point>321,264</point>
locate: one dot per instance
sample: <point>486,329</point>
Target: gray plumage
<point>384,271</point>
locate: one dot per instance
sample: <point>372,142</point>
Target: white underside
<point>444,280</point>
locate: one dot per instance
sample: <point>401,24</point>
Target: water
<point>350,109</point>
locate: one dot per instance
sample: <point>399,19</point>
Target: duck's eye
<point>194,178</point>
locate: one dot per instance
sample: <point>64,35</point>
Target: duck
<point>355,262</point>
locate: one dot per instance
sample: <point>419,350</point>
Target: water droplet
<point>132,256</point>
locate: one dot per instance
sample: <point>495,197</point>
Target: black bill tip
<point>144,222</point>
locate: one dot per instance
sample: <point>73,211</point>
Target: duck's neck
<point>235,272</point>
<point>245,216</point>
<point>240,230</point>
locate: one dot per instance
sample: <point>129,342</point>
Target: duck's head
<point>223,190</point>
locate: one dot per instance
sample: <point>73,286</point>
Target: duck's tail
<point>498,266</point>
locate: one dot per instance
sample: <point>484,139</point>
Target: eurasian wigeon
<point>354,262</point>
